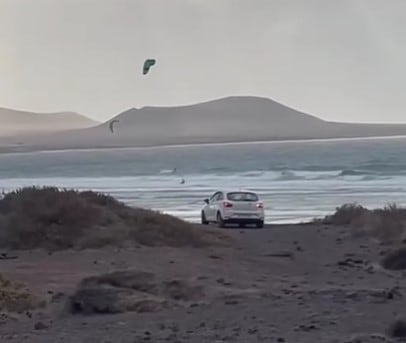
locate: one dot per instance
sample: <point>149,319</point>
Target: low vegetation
<point>131,291</point>
<point>395,260</point>
<point>397,329</point>
<point>62,219</point>
<point>387,224</point>
<point>15,297</point>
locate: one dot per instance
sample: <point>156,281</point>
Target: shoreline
<point>8,149</point>
<point>268,223</point>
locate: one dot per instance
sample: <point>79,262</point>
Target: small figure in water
<point>182,181</point>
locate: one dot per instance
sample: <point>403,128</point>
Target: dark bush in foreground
<point>14,297</point>
<point>397,329</point>
<point>396,260</point>
<point>62,219</point>
<point>387,224</point>
<point>131,291</point>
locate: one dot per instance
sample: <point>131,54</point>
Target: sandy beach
<point>286,283</point>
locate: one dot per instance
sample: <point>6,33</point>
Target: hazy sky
<point>337,59</point>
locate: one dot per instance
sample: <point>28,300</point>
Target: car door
<point>212,210</point>
<point>219,200</point>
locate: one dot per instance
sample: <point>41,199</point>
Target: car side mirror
<point>206,201</point>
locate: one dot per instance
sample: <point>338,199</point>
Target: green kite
<point>147,65</point>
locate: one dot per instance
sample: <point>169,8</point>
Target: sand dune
<point>15,122</point>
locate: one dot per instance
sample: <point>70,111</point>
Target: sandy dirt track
<point>283,283</point>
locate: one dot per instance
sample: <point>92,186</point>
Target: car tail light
<point>227,204</point>
<point>260,205</point>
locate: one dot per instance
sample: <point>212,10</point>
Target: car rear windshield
<point>242,196</point>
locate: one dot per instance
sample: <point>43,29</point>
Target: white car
<point>238,207</point>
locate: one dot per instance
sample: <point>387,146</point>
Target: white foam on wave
<point>167,171</point>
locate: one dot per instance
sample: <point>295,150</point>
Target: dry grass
<point>15,297</point>
<point>129,291</point>
<point>345,214</point>
<point>387,224</point>
<point>395,260</point>
<point>62,219</point>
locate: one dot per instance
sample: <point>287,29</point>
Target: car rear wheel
<point>220,221</point>
<point>260,224</point>
<point>204,220</point>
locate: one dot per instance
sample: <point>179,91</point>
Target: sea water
<point>298,181</point>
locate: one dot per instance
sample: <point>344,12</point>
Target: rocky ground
<point>288,283</point>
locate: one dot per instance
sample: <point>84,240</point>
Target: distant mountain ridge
<point>230,119</point>
<point>16,122</point>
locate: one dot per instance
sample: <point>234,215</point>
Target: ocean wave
<point>290,175</point>
<point>355,172</point>
<point>167,171</point>
<point>374,178</point>
<point>252,174</point>
<point>364,175</point>
<point>287,175</point>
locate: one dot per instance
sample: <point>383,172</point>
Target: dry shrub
<point>345,214</point>
<point>129,291</point>
<point>61,219</point>
<point>397,329</point>
<point>15,297</point>
<point>136,280</point>
<point>391,224</point>
<point>364,224</point>
<point>387,224</point>
<point>395,260</point>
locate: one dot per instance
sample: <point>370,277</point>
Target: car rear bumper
<point>234,220</point>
